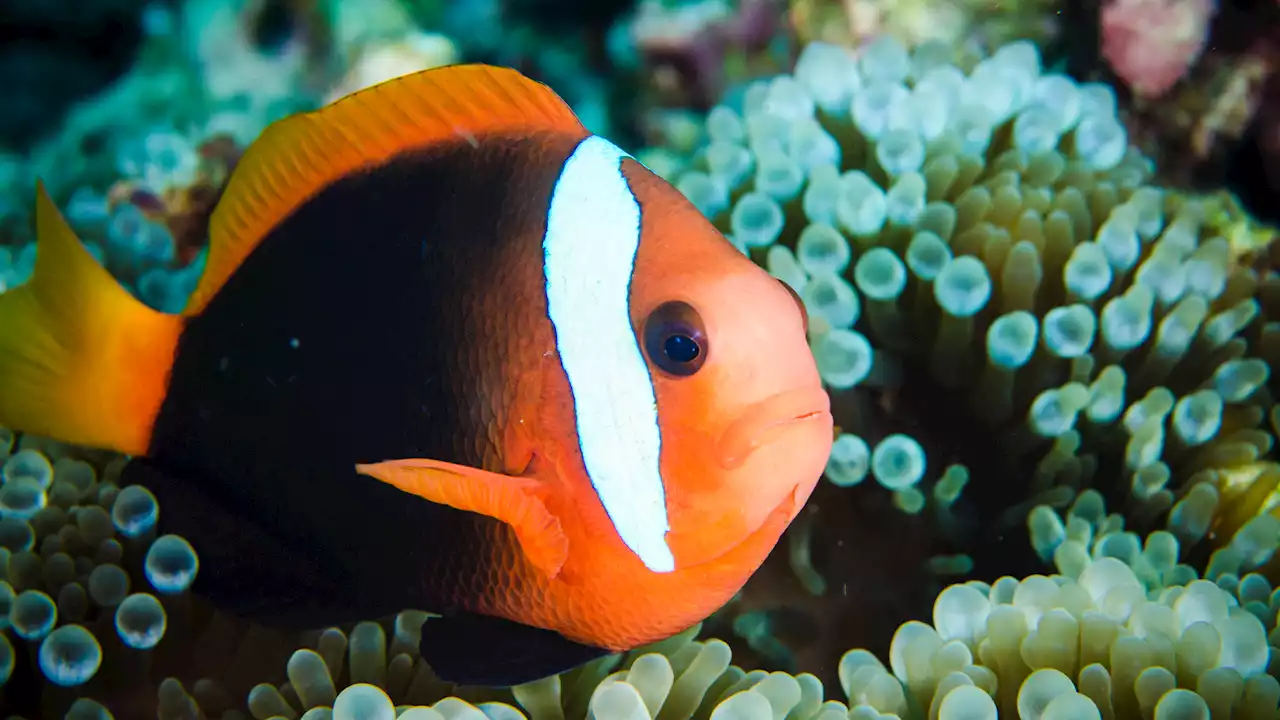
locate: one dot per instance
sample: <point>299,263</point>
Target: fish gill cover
<point>1052,376</point>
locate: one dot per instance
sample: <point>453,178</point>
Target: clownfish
<point>450,352</point>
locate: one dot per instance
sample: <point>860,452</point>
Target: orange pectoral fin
<point>513,500</point>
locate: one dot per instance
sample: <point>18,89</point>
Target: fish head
<point>746,427</point>
<point>681,423</point>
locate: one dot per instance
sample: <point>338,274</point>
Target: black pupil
<point>680,348</point>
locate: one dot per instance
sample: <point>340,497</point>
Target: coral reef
<point>694,51</point>
<point>1197,88</point>
<point>139,168</point>
<point>990,24</point>
<point>58,52</point>
<point>1151,43</point>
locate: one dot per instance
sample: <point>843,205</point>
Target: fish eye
<point>674,339</point>
<point>804,312</point>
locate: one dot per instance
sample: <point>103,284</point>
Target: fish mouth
<point>763,422</point>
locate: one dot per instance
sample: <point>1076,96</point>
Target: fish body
<point>450,352</point>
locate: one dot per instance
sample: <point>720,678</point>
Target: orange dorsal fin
<point>81,360</point>
<point>298,156</point>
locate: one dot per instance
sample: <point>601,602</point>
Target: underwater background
<point>1035,239</point>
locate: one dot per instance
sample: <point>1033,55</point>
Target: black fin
<point>244,570</point>
<point>471,649</point>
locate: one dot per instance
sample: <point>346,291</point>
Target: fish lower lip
<point>767,419</point>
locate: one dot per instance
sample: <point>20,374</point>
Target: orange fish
<point>451,352</point>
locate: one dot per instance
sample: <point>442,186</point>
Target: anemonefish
<point>449,352</point>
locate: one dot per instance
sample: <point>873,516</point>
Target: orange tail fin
<point>81,360</point>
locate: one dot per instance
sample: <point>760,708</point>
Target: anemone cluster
<point>1122,631</point>
<point>84,581</point>
<point>980,248</point>
<point>1017,326</point>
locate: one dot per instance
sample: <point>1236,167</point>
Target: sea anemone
<point>979,238</point>
<point>1123,635</point>
<point>1006,307</point>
